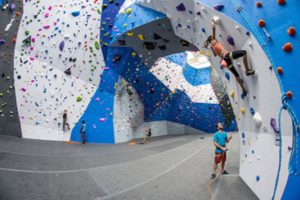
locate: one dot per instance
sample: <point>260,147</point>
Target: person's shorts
<point>220,157</point>
<point>232,56</point>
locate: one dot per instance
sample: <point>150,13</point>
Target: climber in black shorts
<point>228,56</point>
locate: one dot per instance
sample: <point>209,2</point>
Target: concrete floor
<point>169,168</point>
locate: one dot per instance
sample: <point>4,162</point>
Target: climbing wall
<point>250,26</point>
<point>10,16</point>
<point>57,64</point>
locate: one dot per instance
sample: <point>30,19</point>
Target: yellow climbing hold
<point>231,93</point>
<point>129,11</point>
<point>141,37</point>
<point>130,34</point>
<point>125,25</point>
<point>243,110</point>
<point>133,53</point>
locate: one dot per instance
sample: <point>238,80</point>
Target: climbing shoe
<point>250,72</point>
<point>225,172</point>
<point>213,176</point>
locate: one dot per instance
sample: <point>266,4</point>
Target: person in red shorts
<point>220,141</point>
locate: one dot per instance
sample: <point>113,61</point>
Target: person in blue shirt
<point>220,141</point>
<point>82,132</point>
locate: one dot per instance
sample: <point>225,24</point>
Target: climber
<point>220,140</point>
<point>129,91</point>
<point>228,56</point>
<point>147,137</point>
<point>65,120</point>
<point>82,131</point>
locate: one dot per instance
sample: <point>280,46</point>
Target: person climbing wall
<point>228,56</point>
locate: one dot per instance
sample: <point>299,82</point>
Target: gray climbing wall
<point>10,17</point>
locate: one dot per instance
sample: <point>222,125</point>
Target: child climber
<point>227,57</point>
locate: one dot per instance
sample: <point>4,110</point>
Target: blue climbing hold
<point>227,75</point>
<point>257,178</point>
<point>75,13</point>
<point>252,111</point>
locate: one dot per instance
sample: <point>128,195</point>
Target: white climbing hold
<point>238,28</point>
<point>203,9</point>
<point>250,44</point>
<point>257,118</point>
<point>217,19</point>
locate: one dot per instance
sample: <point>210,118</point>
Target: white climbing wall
<point>43,90</point>
<point>259,152</point>
<point>171,75</point>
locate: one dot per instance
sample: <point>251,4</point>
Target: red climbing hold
<point>281,2</point>
<point>292,31</point>
<point>262,23</point>
<point>289,94</point>
<point>280,70</point>
<point>258,4</point>
<point>287,47</point>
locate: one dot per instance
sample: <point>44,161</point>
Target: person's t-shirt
<point>220,139</point>
<point>83,127</point>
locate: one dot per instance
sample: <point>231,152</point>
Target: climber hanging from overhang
<point>228,56</point>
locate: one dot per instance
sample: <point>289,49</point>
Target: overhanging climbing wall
<point>253,27</point>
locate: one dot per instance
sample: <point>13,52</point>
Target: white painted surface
<point>41,105</point>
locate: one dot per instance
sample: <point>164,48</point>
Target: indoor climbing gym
<point>149,100</point>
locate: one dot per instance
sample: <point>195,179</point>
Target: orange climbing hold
<point>287,47</point>
<point>289,94</point>
<point>262,23</point>
<point>14,40</point>
<point>258,4</point>
<point>18,14</point>
<point>281,2</point>
<point>280,70</point>
<point>292,31</point>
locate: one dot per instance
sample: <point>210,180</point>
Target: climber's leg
<point>242,53</point>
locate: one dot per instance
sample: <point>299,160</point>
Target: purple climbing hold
<point>2,41</point>
<point>219,7</point>
<point>274,125</point>
<point>62,45</point>
<point>180,7</point>
<point>230,40</point>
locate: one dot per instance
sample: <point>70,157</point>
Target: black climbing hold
<point>156,36</point>
<point>68,71</point>
<point>149,45</point>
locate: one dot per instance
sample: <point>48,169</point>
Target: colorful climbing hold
<point>258,4</point>
<point>262,23</point>
<point>287,47</point>
<point>279,70</point>
<point>292,31</point>
<point>75,13</point>
<point>289,94</point>
<point>281,2</point>
<point>219,7</point>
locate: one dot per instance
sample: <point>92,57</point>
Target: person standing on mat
<point>82,131</point>
<point>227,57</point>
<point>65,120</point>
<point>220,140</point>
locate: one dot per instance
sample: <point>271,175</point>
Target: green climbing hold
<point>97,45</point>
<point>79,99</point>
<point>27,32</point>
